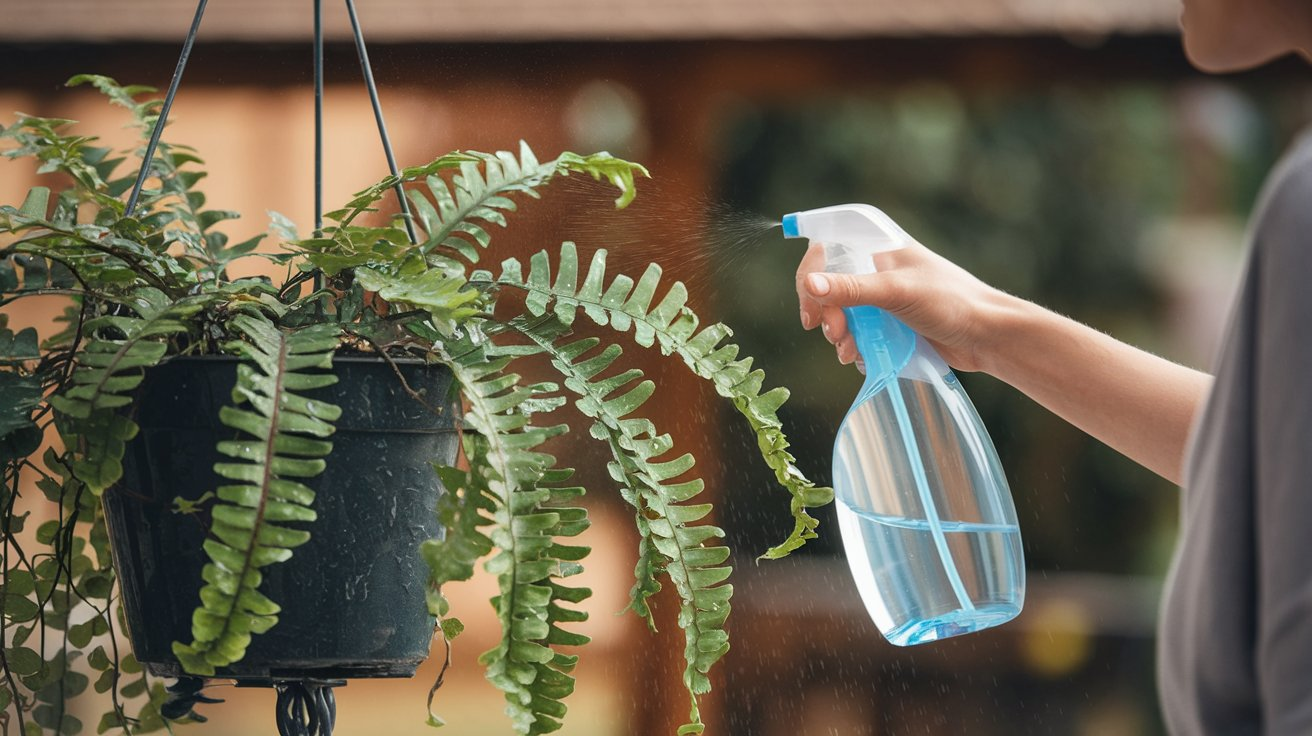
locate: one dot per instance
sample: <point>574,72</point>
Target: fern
<point>440,294</point>
<point>455,216</point>
<point>673,327</point>
<point>671,542</point>
<point>512,488</point>
<point>644,466</point>
<point>138,297</point>
<point>282,444</point>
<point>464,509</point>
<point>73,155</point>
<point>172,210</point>
<point>110,366</point>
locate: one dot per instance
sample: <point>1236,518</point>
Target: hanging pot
<point>353,597</point>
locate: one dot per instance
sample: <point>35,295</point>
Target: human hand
<point>941,301</point>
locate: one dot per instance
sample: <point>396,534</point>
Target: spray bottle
<point>926,516</point>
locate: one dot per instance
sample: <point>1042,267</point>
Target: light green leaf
<point>249,528</point>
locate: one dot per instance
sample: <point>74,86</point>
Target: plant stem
<point>405,385</point>
<point>297,280</point>
<point>4,620</point>
<point>40,292</point>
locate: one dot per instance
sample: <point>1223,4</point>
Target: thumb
<point>847,290</point>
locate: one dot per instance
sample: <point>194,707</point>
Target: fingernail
<point>824,327</point>
<point>861,366</point>
<point>807,321</point>
<point>819,284</point>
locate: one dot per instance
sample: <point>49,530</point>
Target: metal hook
<point>306,708</point>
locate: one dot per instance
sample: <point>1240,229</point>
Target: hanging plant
<point>153,287</point>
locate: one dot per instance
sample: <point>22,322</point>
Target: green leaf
<point>109,369</point>
<point>442,295</point>
<point>282,226</point>
<point>512,490</point>
<point>110,721</point>
<point>452,627</point>
<point>36,203</point>
<point>18,582</point>
<point>79,635</point>
<point>134,689</point>
<point>248,530</point>
<point>23,661</point>
<point>672,327</point>
<point>19,396</point>
<point>456,211</point>
<point>667,544</point>
<point>603,166</point>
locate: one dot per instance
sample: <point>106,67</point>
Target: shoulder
<point>1281,244</point>
<point>1283,218</point>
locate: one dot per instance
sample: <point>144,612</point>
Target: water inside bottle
<point>927,520</point>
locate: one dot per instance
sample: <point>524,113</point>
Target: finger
<point>847,290</point>
<point>813,261</point>
<point>833,323</point>
<point>847,351</point>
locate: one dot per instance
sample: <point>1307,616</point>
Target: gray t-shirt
<point>1235,640</point>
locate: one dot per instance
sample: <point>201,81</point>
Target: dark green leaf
<point>23,661</point>
<point>19,395</point>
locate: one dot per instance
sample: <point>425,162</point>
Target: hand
<point>1135,402</point>
<point>938,299</point>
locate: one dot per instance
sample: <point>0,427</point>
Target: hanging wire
<point>164,111</point>
<point>378,117</point>
<point>318,130</point>
<point>304,707</point>
<point>318,118</point>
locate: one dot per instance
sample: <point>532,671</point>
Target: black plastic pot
<point>353,596</point>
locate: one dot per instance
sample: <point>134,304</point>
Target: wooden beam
<point>533,20</point>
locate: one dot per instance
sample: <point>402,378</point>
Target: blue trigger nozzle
<point>790,226</point>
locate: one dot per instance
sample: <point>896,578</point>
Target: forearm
<point>1137,403</point>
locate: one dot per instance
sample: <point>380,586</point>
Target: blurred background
<point>1064,151</point>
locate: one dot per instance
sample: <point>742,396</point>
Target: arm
<point>1135,402</point>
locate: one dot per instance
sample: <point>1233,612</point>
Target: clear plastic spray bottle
<point>926,516</point>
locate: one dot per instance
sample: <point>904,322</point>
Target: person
<point>1235,630</point>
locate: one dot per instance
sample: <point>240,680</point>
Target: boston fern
<point>143,287</point>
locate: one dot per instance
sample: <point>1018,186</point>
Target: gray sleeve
<point>1282,451</point>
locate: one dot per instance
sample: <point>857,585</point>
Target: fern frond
<point>648,471</point>
<point>441,294</point>
<point>282,444</point>
<point>511,488</point>
<point>465,510</point>
<point>170,201</point>
<point>670,325</point>
<point>110,366</point>
<point>651,563</point>
<point>45,140</point>
<point>172,208</point>
<point>456,215</point>
<point>56,248</point>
